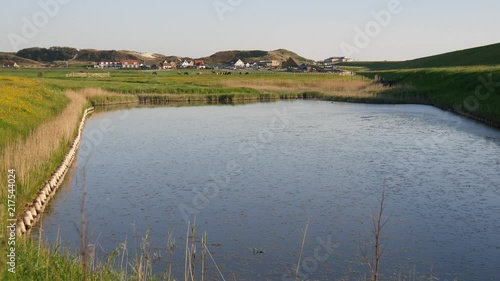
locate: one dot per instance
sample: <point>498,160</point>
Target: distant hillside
<point>485,55</point>
<point>54,54</point>
<point>254,56</point>
<point>5,57</point>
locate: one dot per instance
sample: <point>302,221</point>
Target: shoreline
<point>159,100</point>
<point>34,209</point>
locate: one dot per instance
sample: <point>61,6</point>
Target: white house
<point>130,64</point>
<point>333,60</point>
<point>239,64</point>
<point>186,64</point>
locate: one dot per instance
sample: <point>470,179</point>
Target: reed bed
<point>321,85</point>
<point>98,97</point>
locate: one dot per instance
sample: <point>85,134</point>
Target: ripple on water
<point>329,164</point>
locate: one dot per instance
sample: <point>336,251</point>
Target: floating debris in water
<point>257,251</point>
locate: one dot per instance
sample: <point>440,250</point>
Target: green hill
<point>486,55</point>
<point>254,56</point>
<point>61,54</point>
<point>7,57</point>
<point>54,54</point>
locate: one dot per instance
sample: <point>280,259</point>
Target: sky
<point>363,29</point>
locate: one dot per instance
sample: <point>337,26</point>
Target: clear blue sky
<point>194,28</point>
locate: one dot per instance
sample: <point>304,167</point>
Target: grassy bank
<point>37,261</point>
<point>38,126</point>
<point>466,81</point>
<point>37,132</point>
<point>471,91</point>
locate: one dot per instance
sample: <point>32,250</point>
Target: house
<point>168,65</point>
<point>200,64</point>
<point>130,64</point>
<point>307,68</point>
<point>239,64</point>
<point>187,64</point>
<point>109,64</point>
<point>333,60</point>
<point>10,64</point>
<point>290,63</point>
<point>270,63</point>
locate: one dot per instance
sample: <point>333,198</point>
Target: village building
<point>109,64</point>
<point>130,64</point>
<point>333,60</point>
<point>290,63</point>
<point>239,64</point>
<point>270,63</point>
<point>200,64</point>
<point>168,65</point>
<point>10,64</point>
<point>187,64</point>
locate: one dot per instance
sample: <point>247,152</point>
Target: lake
<point>252,176</point>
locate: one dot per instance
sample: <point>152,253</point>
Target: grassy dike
<point>472,91</point>
<point>37,125</point>
<point>27,107</point>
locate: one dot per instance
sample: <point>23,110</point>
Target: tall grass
<point>36,154</point>
<point>98,97</point>
<point>30,156</point>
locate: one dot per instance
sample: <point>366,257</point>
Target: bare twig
<point>302,248</point>
<point>203,255</point>
<point>83,231</point>
<point>212,258</point>
<point>186,269</point>
<point>378,224</point>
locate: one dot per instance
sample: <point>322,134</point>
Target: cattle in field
<point>186,73</point>
<point>155,73</point>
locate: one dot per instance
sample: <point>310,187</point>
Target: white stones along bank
<point>33,210</point>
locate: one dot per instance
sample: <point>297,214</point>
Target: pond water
<point>252,176</point>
